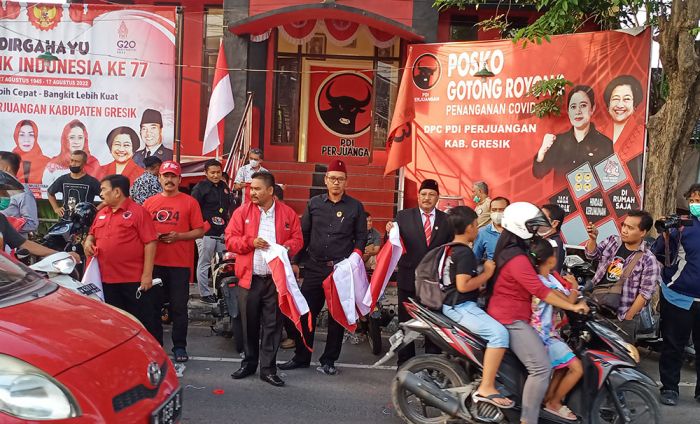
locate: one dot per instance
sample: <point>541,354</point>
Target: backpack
<point>430,286</point>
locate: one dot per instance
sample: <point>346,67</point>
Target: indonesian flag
<point>220,105</point>
<point>387,259</point>
<point>345,290</point>
<point>92,276</point>
<point>291,302</point>
<point>402,128</point>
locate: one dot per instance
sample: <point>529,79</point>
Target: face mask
<point>4,203</point>
<point>75,169</point>
<point>477,199</point>
<point>497,217</point>
<point>695,209</point>
<point>254,163</point>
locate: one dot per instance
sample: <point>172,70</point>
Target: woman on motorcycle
<point>463,287</point>
<point>515,282</point>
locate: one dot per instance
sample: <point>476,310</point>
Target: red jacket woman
<point>243,229</point>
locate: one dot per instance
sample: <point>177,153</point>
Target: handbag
<point>609,296</point>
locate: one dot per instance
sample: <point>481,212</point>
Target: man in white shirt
<point>245,172</point>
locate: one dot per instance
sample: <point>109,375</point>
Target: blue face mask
<point>695,209</point>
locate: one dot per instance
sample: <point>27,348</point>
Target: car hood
<point>61,330</point>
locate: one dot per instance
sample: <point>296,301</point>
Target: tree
<point>675,27</point>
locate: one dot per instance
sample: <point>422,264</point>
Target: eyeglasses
<point>337,180</point>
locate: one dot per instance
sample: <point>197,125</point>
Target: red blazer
<point>243,229</point>
<point>132,171</point>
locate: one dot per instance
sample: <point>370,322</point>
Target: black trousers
<point>262,324</point>
<point>676,326</point>
<point>409,351</point>
<point>176,290</point>
<point>145,309</point>
<point>312,289</point>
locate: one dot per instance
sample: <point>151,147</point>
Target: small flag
<point>220,105</point>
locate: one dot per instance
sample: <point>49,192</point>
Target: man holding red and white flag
<point>261,225</point>
<point>220,105</point>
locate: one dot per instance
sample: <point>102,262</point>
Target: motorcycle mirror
<point>9,183</point>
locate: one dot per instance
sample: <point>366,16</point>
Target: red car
<point>65,358</point>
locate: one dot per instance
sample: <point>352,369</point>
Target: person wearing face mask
<point>555,214</point>
<point>75,187</point>
<point>482,203</point>
<point>485,243</point>
<point>245,173</point>
<point>679,253</point>
<point>20,204</point>
<point>565,152</point>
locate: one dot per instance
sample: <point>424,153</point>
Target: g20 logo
<point>126,44</point>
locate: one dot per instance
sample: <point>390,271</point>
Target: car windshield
<point>17,282</point>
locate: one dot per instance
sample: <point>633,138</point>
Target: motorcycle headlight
<point>632,351</point>
<point>27,392</point>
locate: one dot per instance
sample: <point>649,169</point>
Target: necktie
<point>427,228</point>
<point>148,153</point>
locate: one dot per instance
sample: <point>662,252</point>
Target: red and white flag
<point>345,289</point>
<point>387,259</point>
<point>291,302</point>
<point>220,105</point>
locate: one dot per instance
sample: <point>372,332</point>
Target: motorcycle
<point>228,321</point>
<point>68,234</point>
<point>60,268</point>
<point>438,388</point>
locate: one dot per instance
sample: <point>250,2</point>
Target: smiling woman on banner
<point>33,159</point>
<point>74,137</point>
<point>565,152</point>
<point>622,96</point>
<point>123,142</point>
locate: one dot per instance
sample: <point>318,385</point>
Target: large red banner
<point>459,128</point>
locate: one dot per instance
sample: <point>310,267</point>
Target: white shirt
<point>266,231</point>
<point>245,173</point>
<point>423,218</point>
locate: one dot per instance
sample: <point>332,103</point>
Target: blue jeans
<point>469,315</point>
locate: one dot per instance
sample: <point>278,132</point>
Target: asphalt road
<point>356,395</point>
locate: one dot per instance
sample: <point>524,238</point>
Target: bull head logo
<point>343,111</point>
<point>424,74</point>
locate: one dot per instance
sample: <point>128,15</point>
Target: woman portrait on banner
<point>31,167</point>
<point>622,96</point>
<point>122,143</point>
<point>583,143</point>
<point>74,137</point>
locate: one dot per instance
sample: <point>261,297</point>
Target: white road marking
<point>315,364</point>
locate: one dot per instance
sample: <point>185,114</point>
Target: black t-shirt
<point>10,236</point>
<point>216,203</point>
<point>614,269</point>
<point>83,189</point>
<point>462,261</point>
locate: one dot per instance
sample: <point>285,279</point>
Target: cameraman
<point>680,300</point>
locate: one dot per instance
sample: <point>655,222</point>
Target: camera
<point>672,221</point>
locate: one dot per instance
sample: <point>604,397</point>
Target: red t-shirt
<point>120,237</point>
<point>512,293</point>
<point>179,213</point>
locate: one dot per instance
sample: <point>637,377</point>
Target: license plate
<point>169,411</point>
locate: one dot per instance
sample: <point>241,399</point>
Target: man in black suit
<point>152,136</point>
<point>422,229</point>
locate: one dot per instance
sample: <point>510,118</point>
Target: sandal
<point>563,412</point>
<point>180,354</point>
<point>490,400</point>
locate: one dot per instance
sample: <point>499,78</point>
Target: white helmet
<point>525,220</point>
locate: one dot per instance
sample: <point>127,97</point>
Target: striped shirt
<point>266,231</point>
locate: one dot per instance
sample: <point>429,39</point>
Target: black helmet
<point>83,215</point>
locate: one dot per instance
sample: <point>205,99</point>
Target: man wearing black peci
<point>422,229</point>
<point>334,226</point>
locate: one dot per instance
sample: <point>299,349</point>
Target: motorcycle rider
<point>461,306</point>
<point>515,282</point>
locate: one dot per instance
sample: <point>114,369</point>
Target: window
<point>286,112</point>
<point>463,28</point>
<point>213,32</point>
<point>385,89</point>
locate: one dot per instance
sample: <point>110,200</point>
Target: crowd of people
<point>152,227</point>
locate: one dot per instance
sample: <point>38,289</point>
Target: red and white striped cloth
<point>387,260</point>
<point>345,290</point>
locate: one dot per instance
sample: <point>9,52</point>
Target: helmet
<point>83,215</point>
<point>525,220</point>
<point>9,182</point>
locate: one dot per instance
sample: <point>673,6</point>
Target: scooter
<point>438,388</point>
<point>69,232</point>
<point>228,321</point>
<point>60,268</point>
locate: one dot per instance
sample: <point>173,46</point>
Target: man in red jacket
<point>253,227</point>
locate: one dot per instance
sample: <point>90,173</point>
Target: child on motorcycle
<point>460,302</point>
<point>568,369</point>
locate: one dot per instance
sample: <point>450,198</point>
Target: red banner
<point>460,128</point>
<point>340,116</point>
